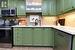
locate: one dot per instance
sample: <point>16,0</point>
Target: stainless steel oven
<point>5,37</point>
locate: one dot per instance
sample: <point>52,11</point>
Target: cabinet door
<point>48,37</point>
<point>60,6</point>
<point>73,43</point>
<point>27,36</point>
<point>44,7</point>
<point>19,4</point>
<point>62,41</point>
<point>17,36</point>
<point>21,7</point>
<point>52,7</point>
<point>37,37</point>
<point>67,5</point>
<point>11,3</point>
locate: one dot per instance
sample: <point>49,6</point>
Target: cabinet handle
<point>61,35</point>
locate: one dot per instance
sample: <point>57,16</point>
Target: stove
<point>5,36</point>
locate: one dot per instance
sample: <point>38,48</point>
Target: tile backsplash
<point>69,19</point>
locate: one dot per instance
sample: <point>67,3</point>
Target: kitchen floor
<point>27,48</point>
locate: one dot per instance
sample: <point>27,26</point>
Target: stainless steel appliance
<point>8,12</point>
<point>5,36</point>
<point>6,32</point>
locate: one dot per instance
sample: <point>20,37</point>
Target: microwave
<point>8,12</point>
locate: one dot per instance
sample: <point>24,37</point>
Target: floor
<point>27,48</point>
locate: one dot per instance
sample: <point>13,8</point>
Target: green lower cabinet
<point>17,36</point>
<point>48,39</point>
<point>37,37</point>
<point>73,43</point>
<point>27,36</point>
<point>33,36</point>
<point>62,40</point>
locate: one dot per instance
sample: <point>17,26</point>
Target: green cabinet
<point>48,7</point>
<point>20,5</point>
<point>17,36</point>
<point>67,5</point>
<point>60,6</point>
<point>51,7</point>
<point>63,6</point>
<point>48,37</point>
<point>73,4</point>
<point>27,36</point>
<point>44,7</point>
<point>62,41</point>
<point>37,37</point>
<point>3,3</point>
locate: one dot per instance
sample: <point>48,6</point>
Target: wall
<point>45,20</point>
<point>48,20</point>
<point>69,19</point>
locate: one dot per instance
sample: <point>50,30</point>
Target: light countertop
<point>70,30</point>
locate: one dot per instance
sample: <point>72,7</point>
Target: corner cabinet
<point>48,37</point>
<point>37,37</point>
<point>67,5</point>
<point>62,40</point>
<point>20,5</point>
<point>27,36</point>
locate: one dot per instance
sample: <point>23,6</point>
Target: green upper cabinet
<point>73,4</point>
<point>67,5</point>
<point>51,7</point>
<point>60,6</point>
<point>27,36</point>
<point>20,5</point>
<point>44,7</point>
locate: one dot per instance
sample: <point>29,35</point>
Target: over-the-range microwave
<point>8,12</point>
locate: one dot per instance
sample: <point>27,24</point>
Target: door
<point>37,37</point>
<point>27,36</point>
<point>44,7</point>
<point>17,36</point>
<point>48,37</point>
<point>62,41</point>
<point>20,5</point>
<point>52,7</point>
<point>67,5</point>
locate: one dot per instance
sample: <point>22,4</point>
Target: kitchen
<point>37,24</point>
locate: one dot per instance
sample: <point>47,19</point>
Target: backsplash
<point>69,19</point>
<point>45,20</point>
<point>48,20</point>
